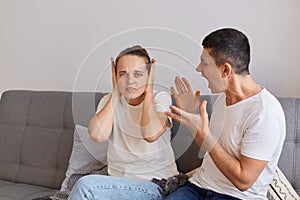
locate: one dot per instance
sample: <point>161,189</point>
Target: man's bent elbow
<point>243,186</point>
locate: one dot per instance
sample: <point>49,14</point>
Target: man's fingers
<point>173,92</point>
<point>174,116</point>
<point>187,84</point>
<point>177,101</point>
<point>177,110</point>
<point>179,85</point>
<point>203,112</point>
<point>197,94</point>
<point>181,113</point>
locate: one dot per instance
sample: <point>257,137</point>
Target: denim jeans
<point>192,192</point>
<point>99,187</point>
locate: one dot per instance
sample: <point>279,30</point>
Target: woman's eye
<point>122,75</point>
<point>138,75</point>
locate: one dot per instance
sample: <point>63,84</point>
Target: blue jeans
<point>99,187</point>
<point>192,192</point>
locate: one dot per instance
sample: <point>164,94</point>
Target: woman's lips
<point>130,89</point>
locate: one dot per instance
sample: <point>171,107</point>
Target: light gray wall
<point>66,44</point>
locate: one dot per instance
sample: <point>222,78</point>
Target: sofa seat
<point>12,191</point>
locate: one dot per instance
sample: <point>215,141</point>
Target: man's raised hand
<point>185,98</point>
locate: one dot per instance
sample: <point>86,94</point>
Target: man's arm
<point>242,172</point>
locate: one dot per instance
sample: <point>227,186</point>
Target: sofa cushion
<point>84,152</point>
<point>280,188</point>
<point>36,140</point>
<point>289,161</point>
<point>12,191</point>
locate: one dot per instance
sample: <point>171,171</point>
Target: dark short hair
<point>229,45</point>
<point>136,50</point>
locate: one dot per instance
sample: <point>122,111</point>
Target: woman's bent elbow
<point>96,137</point>
<point>154,137</point>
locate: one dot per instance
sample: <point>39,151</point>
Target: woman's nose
<point>130,78</point>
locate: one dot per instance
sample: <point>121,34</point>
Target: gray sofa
<point>36,137</point>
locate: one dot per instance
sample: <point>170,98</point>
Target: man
<point>246,131</point>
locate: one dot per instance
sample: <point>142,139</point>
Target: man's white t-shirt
<point>129,155</point>
<point>255,128</point>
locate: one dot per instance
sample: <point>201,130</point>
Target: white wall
<point>66,44</point>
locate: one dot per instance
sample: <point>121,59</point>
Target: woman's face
<point>132,78</point>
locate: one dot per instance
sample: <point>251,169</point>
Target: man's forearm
<point>242,172</point>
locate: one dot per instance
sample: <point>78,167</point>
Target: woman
<point>132,118</point>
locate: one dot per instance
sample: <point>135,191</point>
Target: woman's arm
<point>100,126</point>
<point>153,123</point>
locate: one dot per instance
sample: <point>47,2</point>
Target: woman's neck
<point>136,101</point>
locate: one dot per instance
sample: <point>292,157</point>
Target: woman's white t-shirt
<point>129,155</point>
<point>255,128</point>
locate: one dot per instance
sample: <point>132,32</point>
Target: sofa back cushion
<point>36,131</point>
<point>289,161</point>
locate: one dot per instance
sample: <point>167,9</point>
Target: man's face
<point>211,72</point>
<point>132,76</point>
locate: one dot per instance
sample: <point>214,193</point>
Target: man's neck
<point>239,88</point>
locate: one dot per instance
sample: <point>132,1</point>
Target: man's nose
<point>199,68</point>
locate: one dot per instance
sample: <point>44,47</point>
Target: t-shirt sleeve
<point>163,101</point>
<point>102,102</point>
<point>263,135</point>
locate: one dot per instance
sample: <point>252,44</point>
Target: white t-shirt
<point>255,128</point>
<point>129,155</point>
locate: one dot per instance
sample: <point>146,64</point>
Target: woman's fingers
<point>152,71</point>
<point>113,70</point>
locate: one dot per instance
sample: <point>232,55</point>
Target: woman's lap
<point>110,187</point>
